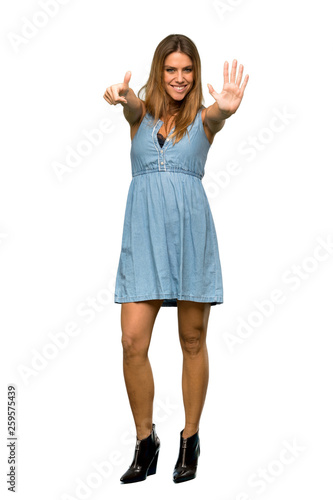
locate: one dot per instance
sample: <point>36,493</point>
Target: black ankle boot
<point>145,459</point>
<point>186,465</point>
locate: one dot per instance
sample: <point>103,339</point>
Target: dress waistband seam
<point>175,171</point>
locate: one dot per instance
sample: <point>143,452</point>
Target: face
<point>178,75</point>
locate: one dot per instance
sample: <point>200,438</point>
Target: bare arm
<point>215,118</point>
<point>132,107</point>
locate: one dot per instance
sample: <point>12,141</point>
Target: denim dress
<point>169,246</point>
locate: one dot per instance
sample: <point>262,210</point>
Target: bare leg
<point>137,321</point>
<point>193,322</point>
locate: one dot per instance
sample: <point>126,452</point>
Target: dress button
<point>162,163</point>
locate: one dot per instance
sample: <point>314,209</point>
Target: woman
<point>169,254</point>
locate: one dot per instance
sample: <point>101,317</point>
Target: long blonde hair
<point>155,96</point>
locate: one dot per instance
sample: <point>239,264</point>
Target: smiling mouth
<point>179,88</point>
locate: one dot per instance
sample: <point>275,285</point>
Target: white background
<point>60,241</point>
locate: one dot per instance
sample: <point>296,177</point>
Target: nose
<point>180,79</point>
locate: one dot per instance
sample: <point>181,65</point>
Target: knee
<point>192,342</point>
<point>133,345</point>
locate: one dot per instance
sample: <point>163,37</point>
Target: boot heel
<point>153,465</point>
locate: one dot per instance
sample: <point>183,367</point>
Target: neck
<point>173,106</point>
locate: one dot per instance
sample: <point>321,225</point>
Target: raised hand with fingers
<point>232,94</point>
<point>116,94</point>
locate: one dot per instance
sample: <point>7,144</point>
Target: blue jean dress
<point>169,247</point>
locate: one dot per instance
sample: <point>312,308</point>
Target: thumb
<point>211,90</point>
<point>127,77</point>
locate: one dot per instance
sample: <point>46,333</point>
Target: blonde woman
<point>169,253</point>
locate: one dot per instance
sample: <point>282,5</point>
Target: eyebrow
<point>189,66</point>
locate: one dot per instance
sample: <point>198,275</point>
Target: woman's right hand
<point>116,93</point>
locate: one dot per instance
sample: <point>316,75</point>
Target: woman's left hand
<point>232,94</point>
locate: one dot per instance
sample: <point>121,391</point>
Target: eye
<point>189,70</point>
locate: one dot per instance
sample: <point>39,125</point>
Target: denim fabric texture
<point>169,246</point>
